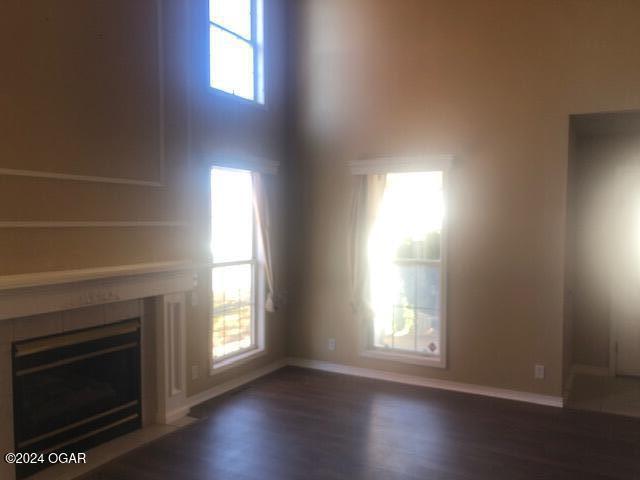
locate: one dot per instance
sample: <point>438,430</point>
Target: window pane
<point>427,300</point>
<point>231,215</point>
<point>234,15</point>
<point>408,317</point>
<point>404,255</point>
<point>232,309</point>
<point>231,64</point>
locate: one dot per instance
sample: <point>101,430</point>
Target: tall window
<point>236,48</point>
<point>405,253</point>
<point>234,274</point>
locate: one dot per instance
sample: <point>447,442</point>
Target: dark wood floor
<point>301,424</point>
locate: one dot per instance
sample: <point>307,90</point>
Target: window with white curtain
<point>406,274</point>
<point>236,48</point>
<point>236,313</point>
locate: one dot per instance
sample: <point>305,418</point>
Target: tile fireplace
<point>89,355</point>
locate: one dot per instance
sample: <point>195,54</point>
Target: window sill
<point>235,100</point>
<point>236,361</point>
<point>412,359</point>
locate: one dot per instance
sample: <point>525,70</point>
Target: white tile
<point>83,318</point>
<point>116,312</point>
<point>37,326</point>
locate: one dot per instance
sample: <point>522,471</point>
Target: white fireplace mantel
<point>31,303</point>
<point>33,294</point>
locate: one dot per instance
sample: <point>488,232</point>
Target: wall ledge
<point>57,277</point>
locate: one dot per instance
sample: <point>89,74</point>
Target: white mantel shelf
<point>45,292</point>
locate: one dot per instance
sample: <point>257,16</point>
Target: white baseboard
<point>519,396</point>
<point>221,389</point>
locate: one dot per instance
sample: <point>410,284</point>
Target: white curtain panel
<point>261,208</point>
<point>367,197</point>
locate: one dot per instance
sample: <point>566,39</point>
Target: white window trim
<point>258,46</point>
<point>239,161</point>
<point>428,163</point>
<point>401,164</point>
<point>258,350</point>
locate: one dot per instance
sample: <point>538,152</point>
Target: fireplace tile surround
<point>156,296</point>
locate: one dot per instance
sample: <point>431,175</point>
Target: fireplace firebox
<point>75,390</point>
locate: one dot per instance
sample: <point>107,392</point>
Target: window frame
<point>390,165</point>
<point>257,44</point>
<point>257,347</point>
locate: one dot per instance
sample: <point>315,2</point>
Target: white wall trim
<point>10,172</point>
<point>92,224</point>
<point>515,395</point>
<point>34,294</point>
<point>223,388</point>
<point>397,164</point>
<point>13,172</point>
<point>40,279</point>
<point>244,162</point>
<point>171,351</point>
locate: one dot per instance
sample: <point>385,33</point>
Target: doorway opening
<point>602,284</point>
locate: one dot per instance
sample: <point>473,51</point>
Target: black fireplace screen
<point>73,391</point>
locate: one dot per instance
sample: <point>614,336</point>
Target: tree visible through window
<point>236,48</point>
<point>405,262</point>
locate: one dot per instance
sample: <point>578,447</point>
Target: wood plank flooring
<point>302,424</point>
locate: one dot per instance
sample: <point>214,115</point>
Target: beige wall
<point>81,94</point>
<point>119,89</point>
<point>492,82</point>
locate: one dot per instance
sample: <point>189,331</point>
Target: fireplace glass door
<point>76,390</point>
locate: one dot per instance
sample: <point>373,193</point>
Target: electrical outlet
<point>195,372</point>
<point>332,344</point>
<point>538,372</point>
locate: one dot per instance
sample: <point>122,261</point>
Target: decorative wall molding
<point>160,182</point>
<point>172,356</point>
<point>392,164</point>
<point>78,178</point>
<point>92,224</point>
<point>34,294</point>
<point>548,400</point>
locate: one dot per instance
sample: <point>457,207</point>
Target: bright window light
<point>236,48</point>
<point>405,264</point>
<point>233,273</point>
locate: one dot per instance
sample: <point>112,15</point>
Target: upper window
<point>405,253</point>
<point>235,279</point>
<point>236,48</point>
